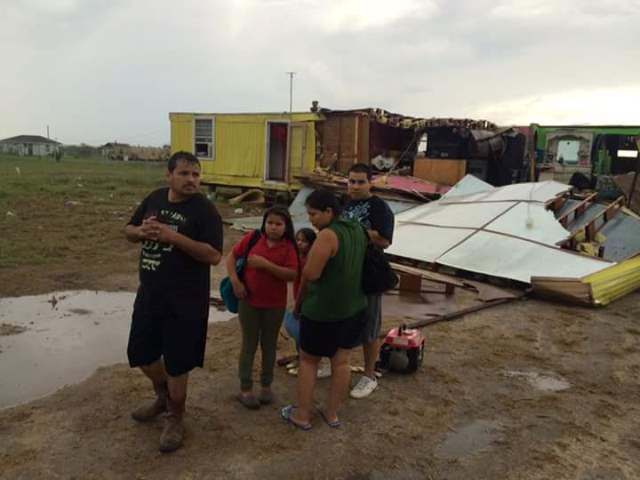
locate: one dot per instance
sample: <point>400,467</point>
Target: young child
<point>271,263</point>
<point>304,239</point>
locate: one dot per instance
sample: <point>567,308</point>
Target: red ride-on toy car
<point>402,350</point>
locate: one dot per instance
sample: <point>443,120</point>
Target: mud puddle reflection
<point>470,439</point>
<point>540,381</point>
<point>48,341</point>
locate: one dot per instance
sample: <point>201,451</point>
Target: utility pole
<point>48,131</point>
<point>291,74</point>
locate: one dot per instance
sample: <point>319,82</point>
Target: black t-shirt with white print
<point>373,213</point>
<point>164,266</point>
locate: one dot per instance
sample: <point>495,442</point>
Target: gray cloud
<point>112,70</point>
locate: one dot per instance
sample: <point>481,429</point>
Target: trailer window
<point>204,138</point>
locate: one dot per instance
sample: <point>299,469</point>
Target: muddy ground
<point>470,412</point>
<point>527,390</point>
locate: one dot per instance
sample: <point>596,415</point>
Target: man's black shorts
<point>170,325</point>
<point>323,338</point>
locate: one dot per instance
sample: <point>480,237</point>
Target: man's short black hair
<point>361,168</point>
<point>181,156</point>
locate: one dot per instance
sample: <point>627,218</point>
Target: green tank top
<point>338,294</point>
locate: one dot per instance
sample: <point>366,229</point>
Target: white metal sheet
<point>536,192</point>
<point>473,215</point>
<point>468,185</point>
<point>532,221</point>
<point>424,243</point>
<point>517,259</point>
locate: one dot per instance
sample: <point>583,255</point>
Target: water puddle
<point>48,341</point>
<point>470,439</point>
<point>541,381</point>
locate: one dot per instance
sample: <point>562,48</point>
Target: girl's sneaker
<point>324,370</point>
<point>364,387</point>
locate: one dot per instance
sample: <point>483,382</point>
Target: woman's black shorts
<point>324,338</point>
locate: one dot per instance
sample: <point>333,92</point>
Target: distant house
<point>29,145</point>
<point>115,150</point>
<point>124,151</point>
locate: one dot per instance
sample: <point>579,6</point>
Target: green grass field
<point>69,213</point>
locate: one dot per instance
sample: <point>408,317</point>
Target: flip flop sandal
<point>334,424</point>
<point>285,413</point>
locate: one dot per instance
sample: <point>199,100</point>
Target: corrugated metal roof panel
<point>517,259</point>
<point>485,233</point>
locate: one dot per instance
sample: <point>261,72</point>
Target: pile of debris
<point>539,237</point>
<point>397,120</point>
<point>527,233</point>
<point>389,186</point>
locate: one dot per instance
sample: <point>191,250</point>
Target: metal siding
<point>310,152</point>
<point>240,147</point>
<point>181,132</point>
<point>297,149</point>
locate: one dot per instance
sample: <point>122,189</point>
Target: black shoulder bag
<point>377,274</point>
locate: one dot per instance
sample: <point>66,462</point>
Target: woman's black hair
<point>308,234</point>
<point>323,199</point>
<point>289,232</point>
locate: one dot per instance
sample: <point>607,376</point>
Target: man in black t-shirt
<point>375,215</point>
<point>181,235</point>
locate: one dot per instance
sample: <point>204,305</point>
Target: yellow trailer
<point>254,150</point>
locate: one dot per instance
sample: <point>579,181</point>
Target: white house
<point>29,145</point>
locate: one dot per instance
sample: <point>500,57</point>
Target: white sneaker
<point>364,387</point>
<point>325,370</point>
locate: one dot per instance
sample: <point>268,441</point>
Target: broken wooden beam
<point>576,210</point>
<point>433,276</point>
<point>607,214</point>
<point>454,315</point>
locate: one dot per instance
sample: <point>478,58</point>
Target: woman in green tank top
<point>330,306</point>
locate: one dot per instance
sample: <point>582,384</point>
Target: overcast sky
<point>105,70</point>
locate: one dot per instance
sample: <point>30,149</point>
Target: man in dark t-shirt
<point>375,215</point>
<point>181,235</point>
